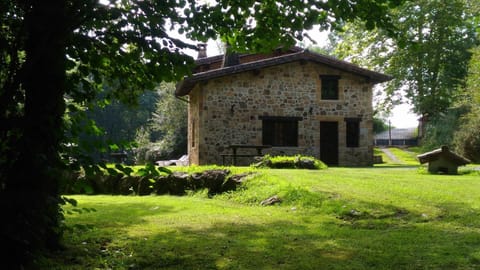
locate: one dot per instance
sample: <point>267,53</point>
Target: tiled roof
<point>248,57</point>
<point>184,87</point>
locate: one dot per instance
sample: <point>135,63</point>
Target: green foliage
<point>240,24</point>
<point>467,136</point>
<point>170,119</point>
<point>440,129</point>
<point>437,40</point>
<point>291,162</point>
<point>379,125</point>
<point>151,170</point>
<point>119,122</point>
<point>427,57</point>
<point>149,179</point>
<point>156,125</point>
<point>169,122</point>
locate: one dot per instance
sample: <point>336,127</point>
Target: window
<point>280,131</point>
<point>353,132</point>
<point>329,87</point>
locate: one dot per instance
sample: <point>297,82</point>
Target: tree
<point>467,136</point>
<point>57,49</point>
<point>171,120</point>
<point>379,125</point>
<point>116,122</point>
<point>428,56</point>
<point>437,42</point>
<point>165,136</point>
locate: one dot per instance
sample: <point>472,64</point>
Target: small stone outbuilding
<point>442,160</point>
<point>295,100</point>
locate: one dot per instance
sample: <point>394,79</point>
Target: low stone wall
<point>176,183</point>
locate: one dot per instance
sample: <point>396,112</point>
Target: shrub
<point>153,180</point>
<point>291,162</point>
<point>440,128</point>
<point>467,138</point>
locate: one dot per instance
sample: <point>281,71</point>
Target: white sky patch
<point>403,117</point>
<point>400,116</point>
<point>319,36</point>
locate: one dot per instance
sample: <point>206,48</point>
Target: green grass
<point>339,218</point>
<point>386,159</point>
<point>405,156</point>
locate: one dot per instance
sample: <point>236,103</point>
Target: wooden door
<point>329,142</point>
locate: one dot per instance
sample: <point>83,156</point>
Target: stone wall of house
<point>226,111</point>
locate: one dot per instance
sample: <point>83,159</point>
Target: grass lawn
<point>339,218</point>
<point>405,156</point>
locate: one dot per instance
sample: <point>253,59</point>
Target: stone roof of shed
<point>188,83</point>
<point>442,152</point>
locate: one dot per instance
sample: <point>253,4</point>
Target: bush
<point>153,180</point>
<point>440,129</point>
<point>291,162</point>
<point>467,138</point>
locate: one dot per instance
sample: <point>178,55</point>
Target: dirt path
<point>391,155</point>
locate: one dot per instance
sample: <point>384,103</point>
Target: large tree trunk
<point>30,196</point>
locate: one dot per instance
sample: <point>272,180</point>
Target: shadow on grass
<point>325,245</point>
<point>295,240</point>
<point>392,166</point>
<point>120,214</point>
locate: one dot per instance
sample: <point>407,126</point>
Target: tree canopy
<point>52,50</point>
<point>428,56</point>
<point>467,136</point>
<point>165,136</point>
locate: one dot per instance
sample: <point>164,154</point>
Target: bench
<point>235,147</point>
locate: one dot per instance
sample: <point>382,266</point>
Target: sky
<point>401,117</point>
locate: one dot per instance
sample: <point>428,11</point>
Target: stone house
<point>295,100</point>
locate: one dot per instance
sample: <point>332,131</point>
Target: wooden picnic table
<point>119,157</point>
<point>235,147</point>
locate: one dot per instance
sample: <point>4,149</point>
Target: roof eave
<point>185,86</point>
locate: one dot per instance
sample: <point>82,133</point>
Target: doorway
<point>329,142</point>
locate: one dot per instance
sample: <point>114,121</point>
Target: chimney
<point>230,58</point>
<point>202,50</point>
